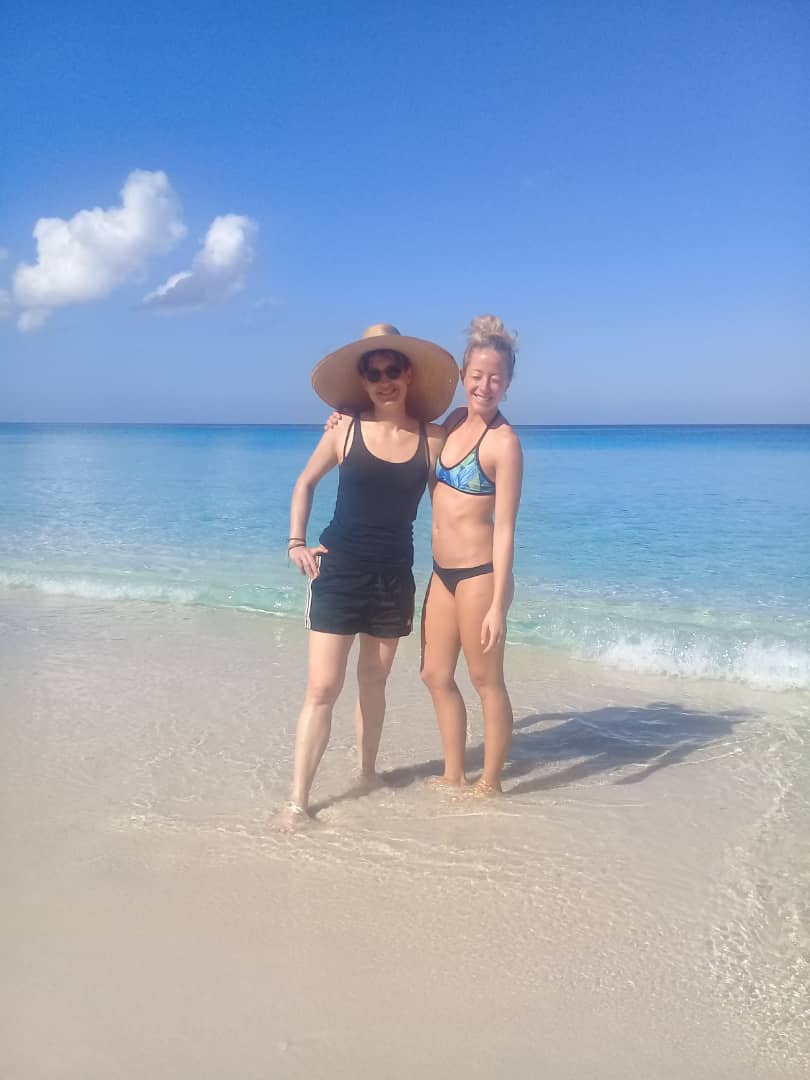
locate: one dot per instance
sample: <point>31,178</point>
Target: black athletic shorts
<point>350,598</point>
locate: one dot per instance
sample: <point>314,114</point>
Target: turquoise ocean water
<point>682,550</point>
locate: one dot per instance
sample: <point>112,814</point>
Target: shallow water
<point>678,550</point>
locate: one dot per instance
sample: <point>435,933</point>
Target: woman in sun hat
<point>360,579</point>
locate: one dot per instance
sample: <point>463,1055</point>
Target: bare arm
<point>333,419</point>
<point>436,435</point>
<point>508,483</point>
<point>453,419</point>
<point>324,457</point>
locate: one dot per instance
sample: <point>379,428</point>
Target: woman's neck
<point>391,417</point>
<point>484,418</point>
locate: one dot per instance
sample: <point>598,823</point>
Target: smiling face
<point>385,378</point>
<point>485,378</point>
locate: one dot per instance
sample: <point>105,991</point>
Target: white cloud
<point>85,258</point>
<point>217,271</point>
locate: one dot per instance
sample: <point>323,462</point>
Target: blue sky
<point>626,184</point>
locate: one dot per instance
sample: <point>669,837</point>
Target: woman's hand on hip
<point>305,558</point>
<point>493,629</point>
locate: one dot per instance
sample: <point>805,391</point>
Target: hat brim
<point>336,380</point>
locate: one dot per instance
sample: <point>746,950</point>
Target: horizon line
<point>316,424</point>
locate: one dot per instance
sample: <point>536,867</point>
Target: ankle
<point>494,786</point>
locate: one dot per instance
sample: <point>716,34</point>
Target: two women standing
<point>360,575</point>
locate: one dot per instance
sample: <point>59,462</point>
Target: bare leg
<point>373,667</point>
<point>328,654</point>
<point>440,648</point>
<point>473,598</point>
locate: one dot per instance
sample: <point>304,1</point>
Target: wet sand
<point>634,906</point>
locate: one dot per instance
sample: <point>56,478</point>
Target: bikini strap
<point>486,429</point>
<point>424,441</point>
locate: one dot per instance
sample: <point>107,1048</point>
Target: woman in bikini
<point>475,503</point>
<point>360,577</point>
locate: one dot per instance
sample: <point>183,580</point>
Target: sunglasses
<point>391,372</point>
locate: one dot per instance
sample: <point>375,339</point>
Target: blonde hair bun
<point>488,331</point>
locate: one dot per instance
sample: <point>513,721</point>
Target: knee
<point>437,679</point>
<point>372,676</point>
<point>485,683</point>
<point>323,691</point>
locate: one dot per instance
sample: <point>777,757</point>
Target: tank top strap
<point>360,443</point>
<point>354,422</point>
<point>423,441</point>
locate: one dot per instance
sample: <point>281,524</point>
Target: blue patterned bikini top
<point>467,475</point>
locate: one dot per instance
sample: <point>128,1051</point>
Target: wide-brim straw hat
<point>336,379</point>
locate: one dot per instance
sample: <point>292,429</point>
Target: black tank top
<point>376,504</point>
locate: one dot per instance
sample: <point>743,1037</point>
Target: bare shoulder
<point>341,426</point>
<point>340,434</point>
<point>435,441</point>
<point>506,438</point>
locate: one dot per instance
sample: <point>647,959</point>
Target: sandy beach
<point>634,906</point>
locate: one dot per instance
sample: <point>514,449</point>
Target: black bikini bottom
<point>450,578</point>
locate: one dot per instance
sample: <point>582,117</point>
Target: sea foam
<point>762,664</point>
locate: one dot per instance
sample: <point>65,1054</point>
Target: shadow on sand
<point>565,747</point>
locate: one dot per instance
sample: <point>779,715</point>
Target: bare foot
<point>366,781</point>
<point>443,783</point>
<point>481,790</point>
<point>290,818</point>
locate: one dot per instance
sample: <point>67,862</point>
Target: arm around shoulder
<point>435,439</point>
<point>454,417</point>
<point>436,435</point>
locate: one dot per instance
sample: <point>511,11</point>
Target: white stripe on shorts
<point>309,596</point>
